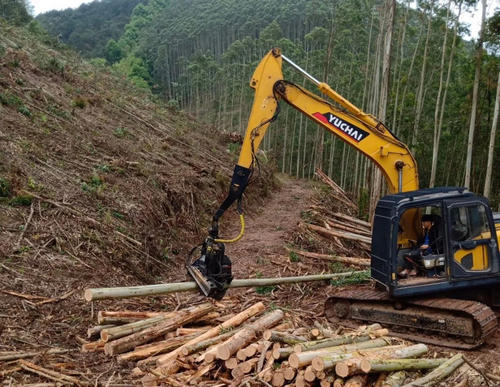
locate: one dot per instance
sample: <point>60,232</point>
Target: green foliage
<point>294,257</point>
<point>9,99</point>
<point>114,52</point>
<point>14,11</point>
<point>120,132</point>
<point>24,111</point>
<point>354,279</point>
<point>264,289</point>
<point>54,65</point>
<point>78,102</point>
<point>21,200</point>
<point>89,27</point>
<point>5,188</point>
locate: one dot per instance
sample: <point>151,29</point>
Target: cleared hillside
<point>99,186</point>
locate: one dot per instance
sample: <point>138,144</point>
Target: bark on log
<point>96,331</point>
<point>350,228</point>
<point>309,374</point>
<point>346,339</point>
<point>299,360</point>
<point>114,333</point>
<point>395,379</point>
<point>353,366</point>
<point>282,337</point>
<point>155,290</point>
<point>144,351</point>
<point>246,335</point>
<point>441,372</point>
<point>347,260</point>
<point>124,316</point>
<point>189,349</point>
<point>344,235</point>
<point>328,361</point>
<point>181,317</point>
<point>7,356</point>
<point>231,323</point>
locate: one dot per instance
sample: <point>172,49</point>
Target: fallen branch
<point>49,374</point>
<point>347,260</point>
<point>345,235</point>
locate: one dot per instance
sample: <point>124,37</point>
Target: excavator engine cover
<point>212,270</point>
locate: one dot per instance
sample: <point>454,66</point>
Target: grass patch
<point>264,289</point>
<point>354,279</point>
<point>5,189</point>
<point>21,200</point>
<point>294,257</point>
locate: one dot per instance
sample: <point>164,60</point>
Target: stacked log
<point>255,346</point>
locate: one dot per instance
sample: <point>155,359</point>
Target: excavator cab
<point>464,247</point>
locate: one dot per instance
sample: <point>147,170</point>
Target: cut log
<point>346,339</point>
<point>96,331</point>
<point>357,381</point>
<point>155,290</point>
<point>353,366</point>
<point>278,379</point>
<point>395,379</point>
<point>282,337</point>
<point>354,229</point>
<point>352,219</point>
<point>262,358</point>
<point>339,382</point>
<point>299,360</point>
<point>328,361</point>
<point>181,317</point>
<point>288,373</point>
<point>347,260</point>
<point>190,331</point>
<point>228,324</point>
<point>144,351</point>
<point>94,346</point>
<point>124,316</point>
<point>189,349</point>
<point>441,372</point>
<point>309,374</point>
<point>344,234</point>
<point>247,334</point>
<point>251,350</point>
<point>248,365</point>
<point>231,363</point>
<point>241,354</point>
<point>114,333</point>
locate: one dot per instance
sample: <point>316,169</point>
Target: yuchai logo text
<point>338,123</point>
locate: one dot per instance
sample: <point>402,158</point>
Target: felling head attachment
<point>212,270</point>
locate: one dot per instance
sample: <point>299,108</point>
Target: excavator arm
<point>360,130</point>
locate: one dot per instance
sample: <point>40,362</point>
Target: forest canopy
<point>199,56</point>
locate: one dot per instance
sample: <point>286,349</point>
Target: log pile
<point>257,347</point>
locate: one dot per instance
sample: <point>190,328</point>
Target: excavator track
<point>445,322</point>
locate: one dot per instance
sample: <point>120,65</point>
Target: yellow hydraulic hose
<point>240,235</point>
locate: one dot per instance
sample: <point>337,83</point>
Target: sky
<point>471,16</point>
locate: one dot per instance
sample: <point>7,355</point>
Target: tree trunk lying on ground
<point>441,372</point>
<point>181,317</point>
<point>231,323</point>
<point>155,290</point>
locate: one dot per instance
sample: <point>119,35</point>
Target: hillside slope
<point>99,186</point>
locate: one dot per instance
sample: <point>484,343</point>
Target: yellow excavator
<point>448,302</point>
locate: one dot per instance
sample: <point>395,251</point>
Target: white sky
<point>42,6</point>
<point>469,16</point>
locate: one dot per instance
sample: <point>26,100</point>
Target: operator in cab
<point>428,244</point>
